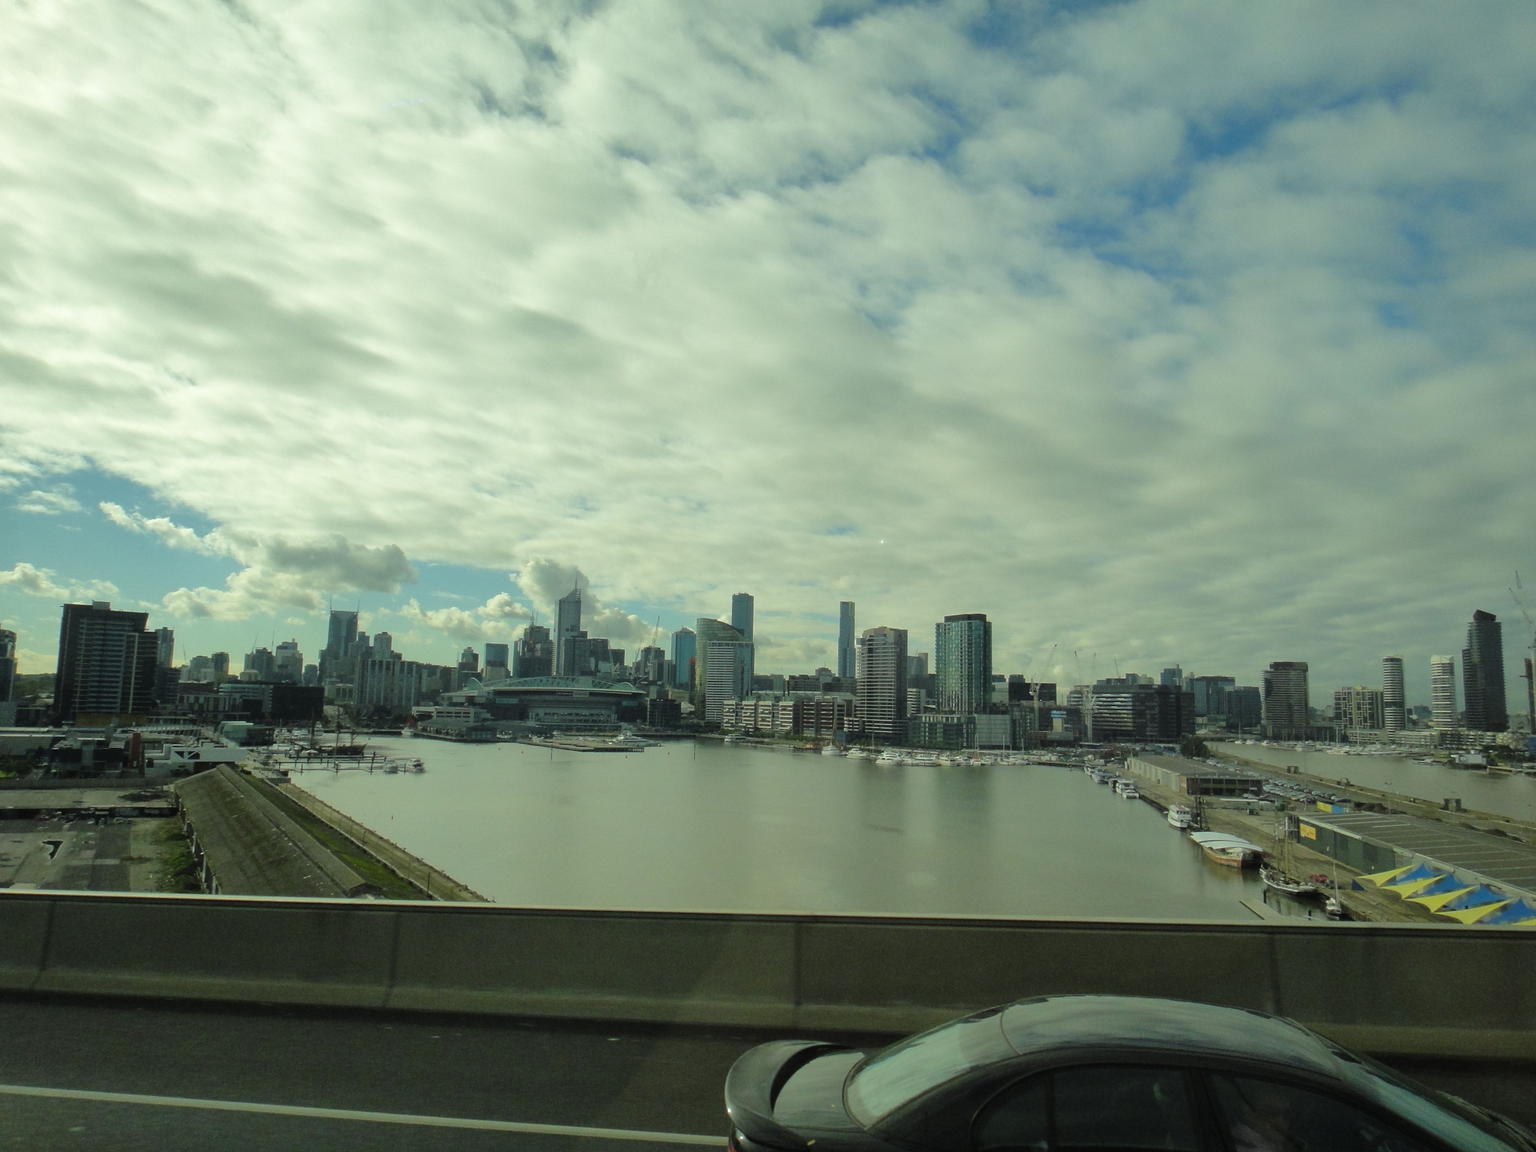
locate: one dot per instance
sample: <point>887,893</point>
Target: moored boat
<point>1282,881</point>
<point>1181,816</point>
<point>1228,851</point>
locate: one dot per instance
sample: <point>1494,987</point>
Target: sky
<point>1167,332</point>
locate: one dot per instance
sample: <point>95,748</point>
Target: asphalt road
<point>119,1075</point>
<point>88,1074</point>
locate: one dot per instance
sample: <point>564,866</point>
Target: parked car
<point>1097,1072</point>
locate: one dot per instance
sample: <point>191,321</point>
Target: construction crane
<point>1530,683</point>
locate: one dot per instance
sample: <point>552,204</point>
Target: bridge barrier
<point>1400,989</point>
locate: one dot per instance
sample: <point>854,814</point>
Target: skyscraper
<point>496,664</point>
<point>882,693</point>
<point>962,651</point>
<point>534,654</point>
<point>165,647</point>
<point>7,666</point>
<point>845,640</point>
<point>724,667</point>
<point>106,663</point>
<point>1442,691</point>
<point>1393,709</point>
<point>741,613</point>
<point>567,625</point>
<point>685,649</point>
<point>340,641</point>
<point>1482,674</point>
<point>1287,708</point>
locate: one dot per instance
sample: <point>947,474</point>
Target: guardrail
<point>1446,991</point>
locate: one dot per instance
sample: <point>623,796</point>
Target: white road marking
<point>368,1117</point>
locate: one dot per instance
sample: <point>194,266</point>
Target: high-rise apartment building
<point>106,665</point>
<point>567,626</point>
<point>1442,692</point>
<point>1360,707</point>
<point>846,642</point>
<point>741,613</point>
<point>724,667</point>
<point>218,667</point>
<point>882,692</point>
<point>1394,714</point>
<point>962,651</point>
<point>685,650</point>
<point>1287,707</point>
<point>1482,675</point>
<point>1206,690</point>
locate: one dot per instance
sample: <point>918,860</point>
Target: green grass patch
<point>178,868</point>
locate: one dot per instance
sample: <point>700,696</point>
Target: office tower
<point>288,662</point>
<point>165,647</point>
<point>882,692</point>
<point>685,649</point>
<point>1359,708</point>
<point>1206,690</point>
<point>1171,677</point>
<point>724,667</point>
<point>651,665</point>
<point>962,650</point>
<point>567,625</point>
<point>1394,716</point>
<point>1287,710</point>
<point>340,643</point>
<point>1482,674</point>
<point>218,667</point>
<point>106,664</point>
<point>262,663</point>
<point>534,654</point>
<point>845,640</point>
<point>469,661</point>
<point>741,614</point>
<point>496,666</point>
<point>1442,692</point>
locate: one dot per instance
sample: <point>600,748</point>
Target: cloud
<point>57,502</point>
<point>1172,331</point>
<point>32,581</point>
<point>161,528</point>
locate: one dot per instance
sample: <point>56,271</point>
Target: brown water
<point>703,826</point>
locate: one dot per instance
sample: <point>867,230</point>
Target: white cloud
<point>43,582</point>
<point>57,502</point>
<point>1180,330</point>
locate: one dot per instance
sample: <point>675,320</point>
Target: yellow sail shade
<point>1409,887</point>
<point>1474,914</point>
<point>1440,899</point>
<point>1380,878</point>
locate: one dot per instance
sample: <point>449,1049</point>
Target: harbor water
<point>705,826</point>
<point>1501,793</point>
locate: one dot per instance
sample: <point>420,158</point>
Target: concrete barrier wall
<point>1390,989</point>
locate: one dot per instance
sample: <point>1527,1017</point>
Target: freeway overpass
<point>353,991</point>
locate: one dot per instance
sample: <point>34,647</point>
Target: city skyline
<point>1157,333</point>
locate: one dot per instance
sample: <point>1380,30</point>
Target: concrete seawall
<point>1443,990</point>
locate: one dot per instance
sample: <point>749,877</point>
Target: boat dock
<point>577,744</point>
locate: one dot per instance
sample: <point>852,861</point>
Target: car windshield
<point>903,1072</point>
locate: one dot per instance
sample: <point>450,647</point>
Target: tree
<point>1194,748</point>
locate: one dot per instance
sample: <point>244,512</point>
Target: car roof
<point>1047,1025</point>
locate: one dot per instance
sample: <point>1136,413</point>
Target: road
<point>162,1077</point>
<point>119,1075</point>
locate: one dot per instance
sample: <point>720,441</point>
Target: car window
<point>1077,1109</point>
<point>1266,1116</point>
<point>901,1073</point>
<point>1448,1117</point>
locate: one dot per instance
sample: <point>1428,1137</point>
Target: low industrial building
<point>1191,777</point>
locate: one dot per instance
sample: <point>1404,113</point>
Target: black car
<point>1097,1072</point>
